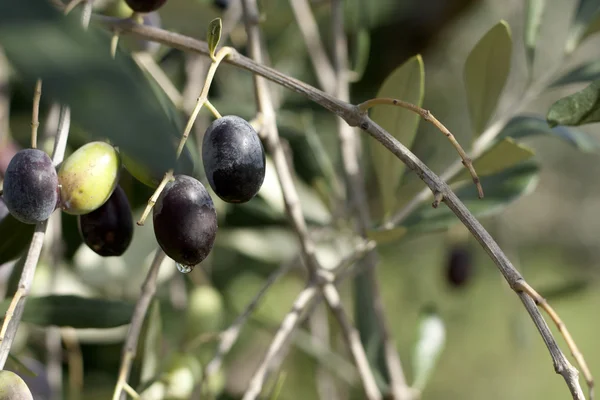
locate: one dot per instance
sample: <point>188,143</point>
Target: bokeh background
<point>492,348</point>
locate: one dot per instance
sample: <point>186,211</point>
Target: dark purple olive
<point>185,221</point>
<point>459,266</point>
<point>108,230</point>
<point>30,186</point>
<point>234,159</point>
<point>145,6</point>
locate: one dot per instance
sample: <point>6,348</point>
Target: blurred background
<point>492,349</point>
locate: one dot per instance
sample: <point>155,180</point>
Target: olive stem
<point>221,54</point>
<point>352,115</point>
<point>11,321</point>
<point>294,211</point>
<point>213,109</point>
<point>428,116</point>
<point>152,201</point>
<point>139,314</point>
<point>35,122</point>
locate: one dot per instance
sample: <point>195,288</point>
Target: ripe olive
<point>88,177</point>
<point>30,186</point>
<point>145,6</point>
<point>13,387</point>
<point>108,230</point>
<point>234,159</point>
<point>185,221</point>
<point>459,266</point>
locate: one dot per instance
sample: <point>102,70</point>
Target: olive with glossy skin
<point>108,230</point>
<point>234,159</point>
<point>185,221</point>
<point>88,177</point>
<point>30,186</point>
<point>145,6</point>
<point>13,387</point>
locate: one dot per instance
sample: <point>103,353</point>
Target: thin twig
<point>562,328</point>
<point>35,115</point>
<point>350,144</point>
<point>354,117</point>
<point>314,46</point>
<point>295,211</point>
<point>428,116</point>
<point>15,312</point>
<point>75,362</point>
<point>231,334</point>
<point>137,320</point>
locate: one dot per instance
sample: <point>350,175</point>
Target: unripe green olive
<point>12,387</point>
<point>205,311</point>
<point>182,374</point>
<point>88,177</point>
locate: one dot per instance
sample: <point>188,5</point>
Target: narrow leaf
<point>387,235</point>
<point>18,366</point>
<point>109,99</point>
<point>74,311</point>
<point>501,190</point>
<point>579,108</point>
<point>584,73</point>
<point>485,74</point>
<point>405,83</point>
<point>586,22</point>
<point>533,20</point>
<point>15,236</point>
<point>361,55</point>
<point>524,126</point>
<point>504,154</point>
<point>214,35</point>
<point>429,346</point>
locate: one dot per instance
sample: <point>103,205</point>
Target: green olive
<point>205,312</point>
<point>12,387</point>
<point>88,177</point>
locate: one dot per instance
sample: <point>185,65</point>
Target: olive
<point>145,6</point>
<point>30,186</point>
<point>88,177</point>
<point>459,266</point>
<point>185,221</point>
<point>12,387</point>
<point>234,159</point>
<point>108,230</point>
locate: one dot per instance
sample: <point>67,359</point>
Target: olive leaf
<point>523,126</point>
<point>214,35</point>
<point>485,74</point>
<point>429,346</point>
<point>580,108</point>
<point>502,155</point>
<point>74,311</point>
<point>405,83</point>
<point>533,20</point>
<point>585,23</point>
<point>584,73</point>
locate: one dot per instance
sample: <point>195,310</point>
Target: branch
<point>17,305</point>
<point>294,210</point>
<point>137,320</point>
<point>353,117</point>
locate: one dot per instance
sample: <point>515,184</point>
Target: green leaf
<point>485,74</point>
<point>501,189</point>
<point>214,35</point>
<point>384,236</point>
<point>502,155</point>
<point>531,125</point>
<point>533,20</point>
<point>579,108</point>
<point>148,355</point>
<point>109,99</point>
<point>16,236</point>
<point>74,311</point>
<point>405,83</point>
<point>586,22</point>
<point>18,366</point>
<point>429,346</point>
<point>584,73</point>
<point>361,55</point>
